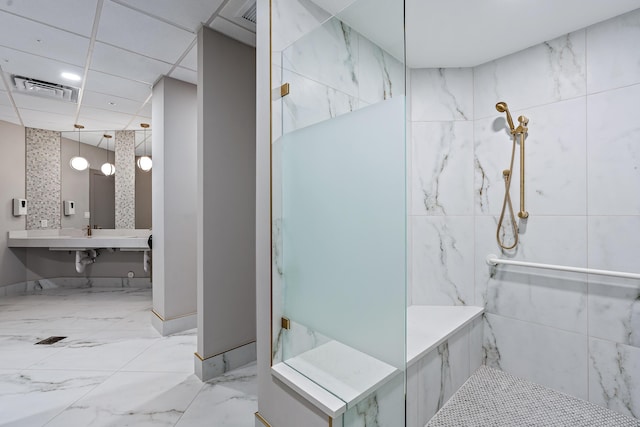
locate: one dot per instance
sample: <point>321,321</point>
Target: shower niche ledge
<point>350,375</point>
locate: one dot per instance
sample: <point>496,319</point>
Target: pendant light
<point>144,162</point>
<point>108,168</point>
<point>78,162</point>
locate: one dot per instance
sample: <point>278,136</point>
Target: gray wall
<point>174,113</point>
<point>143,198</point>
<point>12,184</point>
<point>75,184</point>
<point>43,263</point>
<point>226,194</point>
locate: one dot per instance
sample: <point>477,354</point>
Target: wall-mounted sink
<point>73,240</point>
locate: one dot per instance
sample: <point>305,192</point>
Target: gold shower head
<point>502,108</point>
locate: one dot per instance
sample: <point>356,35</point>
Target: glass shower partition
<point>338,200</point>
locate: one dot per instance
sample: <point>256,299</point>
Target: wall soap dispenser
<point>69,207</point>
<point>19,207</point>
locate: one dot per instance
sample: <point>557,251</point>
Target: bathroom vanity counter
<point>76,240</point>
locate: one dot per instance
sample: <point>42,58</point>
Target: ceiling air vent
<point>250,13</point>
<point>44,89</point>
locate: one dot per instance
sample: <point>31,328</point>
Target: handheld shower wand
<point>508,173</point>
<point>502,108</point>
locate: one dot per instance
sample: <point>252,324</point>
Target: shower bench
<point>444,347</point>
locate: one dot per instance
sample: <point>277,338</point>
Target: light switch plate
<point>44,223</point>
<point>87,215</point>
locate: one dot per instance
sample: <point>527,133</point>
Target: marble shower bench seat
<point>433,333</point>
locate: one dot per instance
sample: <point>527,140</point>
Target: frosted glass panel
<point>343,241</point>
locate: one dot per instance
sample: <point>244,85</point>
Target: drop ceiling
<point>119,48</point>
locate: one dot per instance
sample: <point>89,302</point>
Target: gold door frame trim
<point>262,420</point>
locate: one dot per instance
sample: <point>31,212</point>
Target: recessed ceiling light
<point>111,103</point>
<point>71,76</point>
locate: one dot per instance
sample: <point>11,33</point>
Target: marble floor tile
<point>171,354</point>
<point>32,398</point>
<point>227,401</point>
<point>113,369</point>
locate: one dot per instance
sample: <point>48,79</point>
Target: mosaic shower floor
<point>494,398</point>
<point>112,369</point>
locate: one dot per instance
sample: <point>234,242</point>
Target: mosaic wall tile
<point>125,179</point>
<point>43,178</point>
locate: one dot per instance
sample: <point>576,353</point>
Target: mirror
<point>94,193</point>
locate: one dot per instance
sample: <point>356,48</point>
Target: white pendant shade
<point>79,163</point>
<point>108,169</point>
<point>144,163</point>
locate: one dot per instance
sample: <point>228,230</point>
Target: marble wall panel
<point>611,68</point>
<point>441,94</point>
<point>544,355</point>
<point>613,157</point>
<point>555,151</point>
<point>552,298</point>
<point>442,260</point>
<point>442,180</point>
<point>545,73</point>
<point>614,370</point>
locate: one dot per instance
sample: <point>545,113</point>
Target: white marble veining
<point>384,407</point>
<point>614,311</point>
<point>429,326</point>
<point>547,356</point>
<point>112,369</point>
<point>553,298</point>
<point>442,260</point>
<point>613,372</point>
<point>348,373</point>
<point>299,339</point>
<point>614,152</point>
<point>555,150</point>
<point>442,94</point>
<point>609,68</point>
<point>310,102</point>
<point>327,55</point>
<point>548,72</point>
<point>380,75</point>
<point>441,373</point>
<point>292,19</point>
<point>442,179</point>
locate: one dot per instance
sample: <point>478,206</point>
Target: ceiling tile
<point>191,60</point>
<point>46,120</point>
<point>39,39</point>
<point>101,100</point>
<point>117,86</point>
<point>188,14</point>
<point>8,114</point>
<point>38,103</point>
<point>234,31</point>
<point>99,123</point>
<point>72,15</point>
<point>4,98</point>
<point>37,67</point>
<point>234,10</point>
<point>92,113</point>
<point>185,75</point>
<point>134,31</point>
<point>119,62</point>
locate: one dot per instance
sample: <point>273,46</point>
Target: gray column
<point>226,204</point>
<point>174,126</point>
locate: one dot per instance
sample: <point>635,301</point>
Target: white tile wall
<point>581,92</point>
